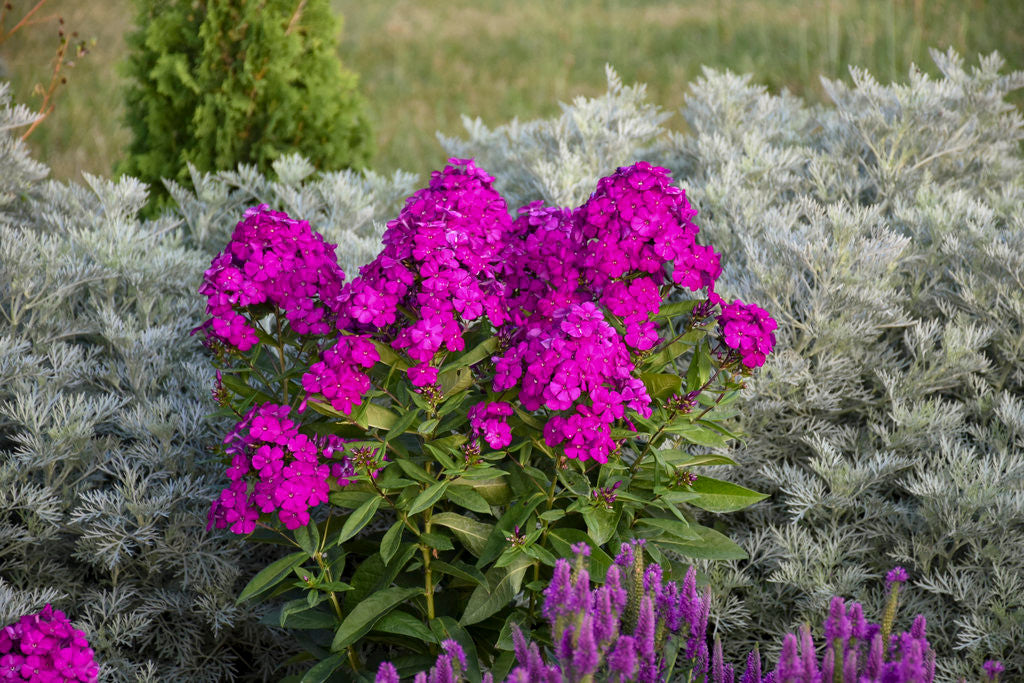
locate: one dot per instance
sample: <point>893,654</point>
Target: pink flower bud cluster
<point>274,468</point>
<point>576,362</point>
<point>45,648</point>
<point>749,330</point>
<point>273,259</point>
<point>438,265</point>
<point>340,374</point>
<point>636,224</point>
<point>490,420</point>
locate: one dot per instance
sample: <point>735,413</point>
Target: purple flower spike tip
<point>895,575</point>
<point>993,668</point>
<point>387,673</point>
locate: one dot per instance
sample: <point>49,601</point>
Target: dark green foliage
<point>218,83</point>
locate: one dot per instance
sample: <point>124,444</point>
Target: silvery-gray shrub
<point>885,232</point>
<point>106,439</point>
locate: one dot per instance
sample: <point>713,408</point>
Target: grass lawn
<point>424,63</point>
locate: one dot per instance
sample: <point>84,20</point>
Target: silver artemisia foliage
<point>105,444</point>
<point>349,208</point>
<point>885,232</point>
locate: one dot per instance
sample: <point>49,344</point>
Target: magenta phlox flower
<point>276,468</point>
<point>272,259</point>
<point>437,270</point>
<point>340,374</point>
<point>45,647</point>
<point>491,420</point>
<point>749,330</point>
<point>573,362</point>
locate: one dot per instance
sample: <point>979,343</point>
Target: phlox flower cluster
<point>490,420</point>
<point>635,225</point>
<point>574,361</point>
<point>438,265</point>
<point>45,648</point>
<point>274,468</point>
<point>543,263</point>
<point>340,374</point>
<point>563,268</point>
<point>271,259</point>
<point>749,330</point>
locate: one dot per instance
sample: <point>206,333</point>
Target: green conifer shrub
<point>216,83</point>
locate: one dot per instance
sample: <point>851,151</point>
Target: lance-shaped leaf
<point>504,582</point>
<point>359,518</point>
<point>715,495</point>
<point>363,616</point>
<point>471,533</point>
<point>271,575</point>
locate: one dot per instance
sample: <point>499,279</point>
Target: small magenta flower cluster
<point>617,251</point>
<point>574,362</point>
<point>437,269</point>
<point>274,468</point>
<point>340,374</point>
<point>272,259</point>
<point>748,329</point>
<point>491,420</point>
<point>45,647</point>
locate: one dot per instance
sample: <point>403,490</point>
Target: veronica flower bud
<point>635,589</point>
<point>992,669</point>
<point>386,673</point>
<point>790,668</point>
<point>828,665</point>
<point>519,644</point>
<point>652,579</point>
<point>807,653</point>
<point>456,654</point>
<point>850,666</point>
<point>644,634</point>
<point>752,674</point>
<point>613,586</point>
<point>837,625</point>
<point>625,557</point>
<point>622,660</point>
<point>586,658</point>
<point>717,665</point>
<point>917,629</point>
<point>876,657</point>
<point>894,581</point>
<point>556,595</point>
<point>564,644</point>
<point>606,624</point>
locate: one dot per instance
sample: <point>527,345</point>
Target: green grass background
<point>423,64</point>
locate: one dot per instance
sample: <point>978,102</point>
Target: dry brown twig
<point>69,50</point>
